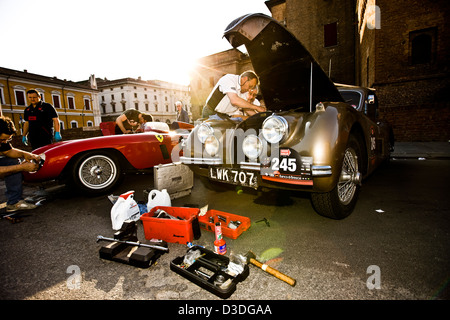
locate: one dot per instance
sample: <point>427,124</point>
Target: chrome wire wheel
<point>97,172</point>
<point>350,177</point>
<point>339,202</point>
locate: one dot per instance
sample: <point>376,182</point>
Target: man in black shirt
<point>11,168</point>
<point>41,121</point>
<point>130,120</point>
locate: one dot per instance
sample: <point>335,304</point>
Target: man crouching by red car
<point>11,168</point>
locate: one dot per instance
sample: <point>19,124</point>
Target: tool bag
<point>125,208</point>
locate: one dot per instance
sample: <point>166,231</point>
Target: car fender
<point>143,150</point>
<point>322,135</point>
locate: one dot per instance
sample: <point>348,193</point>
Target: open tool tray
<point>240,223</point>
<point>210,272</point>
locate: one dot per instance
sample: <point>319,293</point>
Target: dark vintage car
<point>315,136</point>
<point>97,165</point>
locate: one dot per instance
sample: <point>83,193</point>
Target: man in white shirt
<point>229,96</point>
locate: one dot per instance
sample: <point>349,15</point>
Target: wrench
<point>131,243</point>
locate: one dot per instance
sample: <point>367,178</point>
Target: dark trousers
<point>207,111</point>
<point>13,182</point>
<point>40,138</point>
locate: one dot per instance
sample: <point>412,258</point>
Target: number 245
<point>286,164</point>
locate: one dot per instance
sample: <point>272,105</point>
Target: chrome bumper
<point>206,161</point>
<point>316,171</point>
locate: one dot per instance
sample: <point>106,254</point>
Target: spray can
<point>220,246</point>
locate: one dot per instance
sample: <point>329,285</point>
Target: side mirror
<point>370,107</point>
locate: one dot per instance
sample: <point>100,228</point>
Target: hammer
<point>251,258</point>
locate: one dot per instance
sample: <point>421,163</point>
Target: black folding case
<point>216,265</point>
<point>141,257</point>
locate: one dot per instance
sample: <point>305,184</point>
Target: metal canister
<point>220,246</point>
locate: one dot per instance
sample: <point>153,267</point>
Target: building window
<point>87,104</point>
<point>123,106</point>
<point>56,101</point>
<point>146,107</point>
<point>422,45</point>
<point>41,93</point>
<point>2,100</point>
<point>61,125</point>
<point>136,106</point>
<point>71,102</point>
<point>135,95</point>
<point>73,124</point>
<point>330,35</point>
<point>20,97</point>
<point>90,123</point>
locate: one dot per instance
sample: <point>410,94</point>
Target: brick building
<point>408,64</point>
<point>399,47</point>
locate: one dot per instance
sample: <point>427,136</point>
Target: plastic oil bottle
<point>220,246</point>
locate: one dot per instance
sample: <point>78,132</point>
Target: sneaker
<point>21,205</point>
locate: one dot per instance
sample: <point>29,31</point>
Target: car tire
<point>96,172</point>
<point>340,202</point>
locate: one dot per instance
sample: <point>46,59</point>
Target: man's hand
<point>58,136</point>
<point>260,109</point>
<point>31,157</point>
<point>29,166</point>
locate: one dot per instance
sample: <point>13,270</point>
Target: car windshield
<point>351,97</point>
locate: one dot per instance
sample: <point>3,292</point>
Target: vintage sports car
<point>315,136</point>
<point>96,165</point>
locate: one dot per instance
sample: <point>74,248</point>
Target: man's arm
<point>25,128</point>
<point>119,122</point>
<point>243,104</point>
<point>17,153</point>
<point>56,124</point>
<point>24,166</point>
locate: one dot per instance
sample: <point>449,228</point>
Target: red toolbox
<point>227,220</point>
<point>169,230</point>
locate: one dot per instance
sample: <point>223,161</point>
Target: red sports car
<point>96,165</point>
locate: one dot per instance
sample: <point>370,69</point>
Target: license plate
<point>234,176</point>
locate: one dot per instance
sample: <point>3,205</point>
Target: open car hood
<point>282,63</point>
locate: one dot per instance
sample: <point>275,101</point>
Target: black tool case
<point>210,272</point>
<point>137,256</point>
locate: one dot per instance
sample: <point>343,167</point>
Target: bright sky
<point>153,39</point>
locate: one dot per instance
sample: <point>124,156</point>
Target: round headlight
<point>274,128</point>
<point>252,147</point>
<point>204,131</point>
<point>212,145</point>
